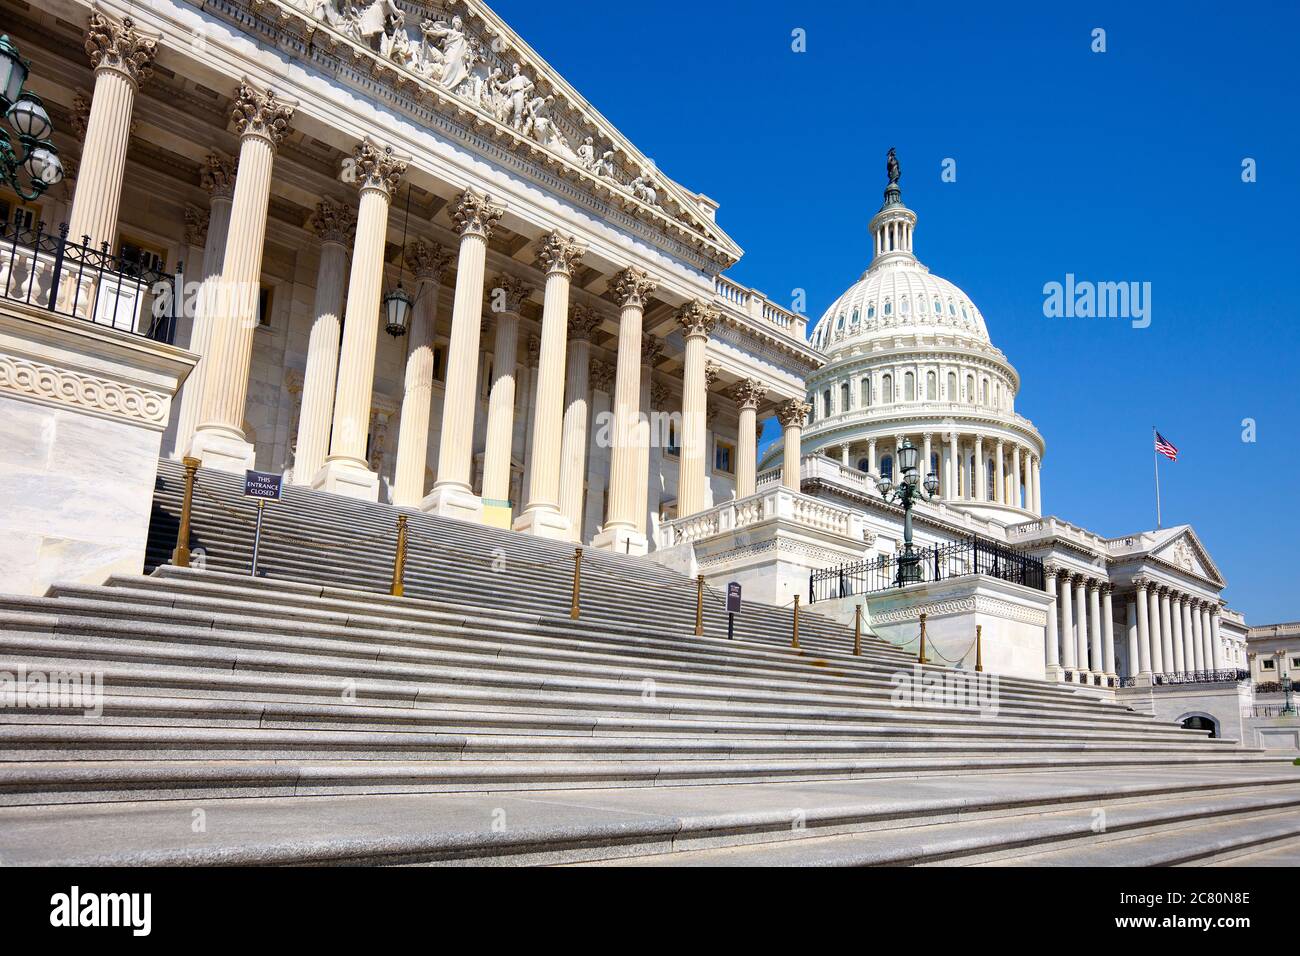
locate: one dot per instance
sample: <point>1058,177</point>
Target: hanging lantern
<point>13,71</point>
<point>396,310</point>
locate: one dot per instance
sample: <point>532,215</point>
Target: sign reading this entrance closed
<point>263,484</point>
<point>733,597</point>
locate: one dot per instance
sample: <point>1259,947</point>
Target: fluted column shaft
<point>1166,632</point>
<point>1081,625</point>
<point>1144,631</point>
<point>1051,650</point>
<point>1206,637</point>
<point>1015,477</point>
<point>1069,650</point>
<point>214,251</point>
<point>748,394</point>
<point>690,491</point>
<point>999,476</point>
<point>1176,637</point>
<point>1108,632</point>
<point>1157,637</point>
<point>1198,643</point>
<point>1038,493</point>
<point>499,436</point>
<point>1131,632</point>
<point>1216,647</point>
<point>650,351</point>
<point>417,391</point>
<point>981,472</point>
<point>573,447</point>
<point>322,363</point>
<point>1097,663</point>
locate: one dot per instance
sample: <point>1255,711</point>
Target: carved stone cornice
<point>114,44</point>
<point>632,287</point>
<point>427,260</point>
<point>217,176</point>
<point>583,323</point>
<point>475,213</point>
<point>261,114</point>
<point>507,293</point>
<point>332,221</point>
<point>560,253</point>
<point>652,349</point>
<point>793,413</point>
<point>602,375</point>
<point>749,392</point>
<point>376,167</point>
<point>697,319</point>
<point>196,225</point>
<point>61,386</point>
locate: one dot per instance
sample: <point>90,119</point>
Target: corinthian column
<point>583,323</point>
<point>474,214</point>
<point>1070,649</point>
<point>793,415</point>
<point>1051,639</point>
<point>748,394</point>
<point>631,289</point>
<point>333,223</point>
<point>697,321</point>
<point>1107,630</point>
<point>217,175</point>
<point>1216,646</point>
<point>262,121</point>
<point>1097,665</point>
<point>1144,631</point>
<point>651,350</point>
<point>999,475</point>
<point>542,516</point>
<point>122,58</point>
<point>428,262</point>
<point>346,471</point>
<point>508,295</point>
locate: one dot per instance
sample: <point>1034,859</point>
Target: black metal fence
<point>1226,675</point>
<point>938,563</point>
<point>49,271</point>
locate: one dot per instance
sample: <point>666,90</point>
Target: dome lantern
<point>892,226</point>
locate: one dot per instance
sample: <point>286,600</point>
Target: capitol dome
<point>909,358</point>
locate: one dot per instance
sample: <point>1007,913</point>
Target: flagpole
<point>1156,458</point>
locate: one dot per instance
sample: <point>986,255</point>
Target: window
<point>952,309</point>
<point>934,462</point>
<point>871,311</point>
<point>724,457</point>
<point>909,387</point>
<point>812,408</point>
<point>904,306</point>
<point>1269,664</point>
<point>931,386</point>
<point>887,466</point>
<point>889,307</point>
<point>970,476</point>
<point>24,216</point>
<point>864,464</point>
<point>938,306</point>
<point>952,387</point>
<point>844,397</point>
<point>839,324</point>
<point>984,391</point>
<point>970,389</point>
<point>826,404</point>
<point>856,317</point>
<point>1295,662</point>
<point>674,447</point>
<point>866,392</point>
<point>139,257</point>
<point>264,300</point>
<point>991,482</point>
<point>887,389</point>
<point>439,373</point>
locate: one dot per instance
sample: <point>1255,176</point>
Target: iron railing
<point>49,271</point>
<point>974,555</point>
<point>1227,675</point>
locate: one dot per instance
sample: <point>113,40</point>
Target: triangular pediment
<point>464,56</point>
<point>1185,552</point>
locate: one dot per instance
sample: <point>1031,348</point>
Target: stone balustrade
<point>768,504</point>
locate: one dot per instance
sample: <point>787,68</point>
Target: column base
<point>1144,679</point>
<point>544,522</point>
<point>347,477</point>
<point>454,501</point>
<point>223,449</point>
<point>1054,672</point>
<point>621,540</point>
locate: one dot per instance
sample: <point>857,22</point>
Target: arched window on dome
<point>964,314</point>
<point>856,317</point>
<point>889,307</point>
<point>938,306</point>
<point>871,311</point>
<point>887,389</point>
<point>909,387</point>
<point>826,404</point>
<point>931,387</point>
<point>952,387</point>
<point>970,475</point>
<point>904,306</point>
<point>845,403</point>
<point>864,464</point>
<point>839,324</point>
<point>866,392</point>
<point>934,463</point>
<point>887,466</point>
<point>984,391</point>
<point>952,309</point>
<point>970,389</point>
<point>990,481</point>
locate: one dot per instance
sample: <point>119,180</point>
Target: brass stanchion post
<point>399,559</point>
<point>794,641</point>
<point>979,648</point>
<point>920,654</point>
<point>699,605</point>
<point>181,555</point>
<point>577,582</point>
<point>857,631</point>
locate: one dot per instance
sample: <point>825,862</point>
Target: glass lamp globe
<point>907,456</point>
<point>397,311</point>
<point>884,485</point>
<point>29,118</point>
<point>13,71</point>
<point>931,484</point>
<point>43,166</point>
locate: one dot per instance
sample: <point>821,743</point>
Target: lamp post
<point>37,156</point>
<point>1288,706</point>
<point>905,494</point>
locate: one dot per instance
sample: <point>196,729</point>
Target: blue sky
<point>1123,165</point>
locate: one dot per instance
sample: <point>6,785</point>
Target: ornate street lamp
<point>908,490</point>
<point>1288,707</point>
<point>396,305</point>
<point>38,158</point>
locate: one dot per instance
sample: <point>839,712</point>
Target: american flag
<point>1165,448</point>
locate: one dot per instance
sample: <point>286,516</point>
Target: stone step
<point>1149,832</point>
<point>505,827</point>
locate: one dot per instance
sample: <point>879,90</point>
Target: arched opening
<point>909,387</point>
<point>1199,721</point>
<point>931,386</point>
<point>844,397</point>
<point>866,392</point>
<point>887,388</point>
<point>887,467</point>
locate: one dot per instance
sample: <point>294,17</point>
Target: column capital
<point>196,225</point>
<point>261,114</point>
<point>560,253</point>
<point>632,286</point>
<point>871,443</point>
<point>113,44</point>
<point>711,372</point>
<point>332,221</point>
<point>583,322</point>
<point>652,348</point>
<point>749,392</point>
<point>476,213</point>
<point>659,395</point>
<point>1051,570</point>
<point>697,319</point>
<point>793,413</point>
<point>1142,582</point>
<point>507,294</point>
<point>217,176</point>
<point>602,375</point>
<point>1094,584</point>
<point>376,167</point>
<point>428,260</point>
<point>1107,588</point>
